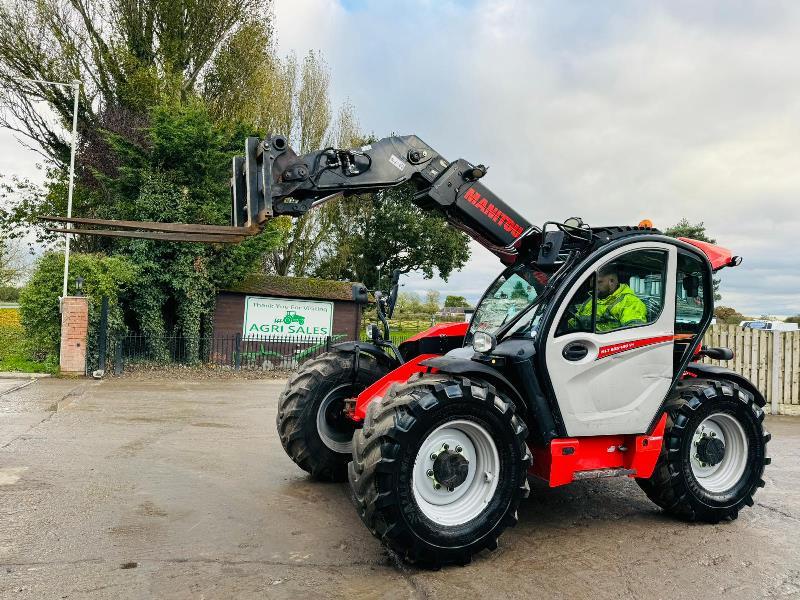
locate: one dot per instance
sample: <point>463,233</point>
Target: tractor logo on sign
<point>291,317</point>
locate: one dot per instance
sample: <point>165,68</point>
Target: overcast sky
<point>614,112</point>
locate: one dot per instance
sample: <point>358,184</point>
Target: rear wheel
<point>312,426</point>
<point>439,468</point>
<point>714,452</point>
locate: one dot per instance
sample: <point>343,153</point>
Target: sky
<point>613,112</point>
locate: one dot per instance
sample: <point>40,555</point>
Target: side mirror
<point>717,353</point>
<point>393,293</point>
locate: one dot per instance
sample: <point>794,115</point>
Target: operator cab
<point>601,358</point>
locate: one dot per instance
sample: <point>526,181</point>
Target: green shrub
<point>39,308</point>
<point>9,293</point>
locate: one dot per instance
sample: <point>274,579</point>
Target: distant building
<point>456,313</point>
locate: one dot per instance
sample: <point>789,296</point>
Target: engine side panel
<point>439,339</point>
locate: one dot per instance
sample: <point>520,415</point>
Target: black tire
<point>384,453</point>
<point>673,485</point>
<point>330,374</point>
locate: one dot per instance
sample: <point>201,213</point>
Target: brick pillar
<point>74,333</point>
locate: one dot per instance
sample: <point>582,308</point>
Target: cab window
<point>689,300</point>
<point>622,293</point>
<point>511,293</point>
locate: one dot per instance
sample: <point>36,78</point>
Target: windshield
<point>515,290</point>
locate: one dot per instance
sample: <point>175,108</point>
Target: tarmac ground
<point>180,489</point>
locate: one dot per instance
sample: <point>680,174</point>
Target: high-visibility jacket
<point>623,308</point>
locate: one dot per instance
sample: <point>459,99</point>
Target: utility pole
<point>76,88</point>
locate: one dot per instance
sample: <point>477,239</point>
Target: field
<point>14,352</point>
<point>401,328</point>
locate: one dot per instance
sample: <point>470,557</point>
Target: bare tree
<point>132,53</point>
<point>11,261</point>
<point>310,126</point>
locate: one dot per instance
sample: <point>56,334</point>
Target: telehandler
<point>554,376</point>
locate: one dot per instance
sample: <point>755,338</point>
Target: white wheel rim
<point>724,475</point>
<point>468,500</point>
<point>338,441</point>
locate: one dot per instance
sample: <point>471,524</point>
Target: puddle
<point>11,475</point>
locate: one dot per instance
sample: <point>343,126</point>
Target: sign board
<point>286,317</point>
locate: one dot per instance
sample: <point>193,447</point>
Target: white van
<point>769,325</point>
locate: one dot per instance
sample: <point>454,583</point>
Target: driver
<point>617,305</point>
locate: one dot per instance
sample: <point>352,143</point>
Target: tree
<point>456,302</point>
<point>310,126</point>
<point>432,302</point>
<point>726,314</point>
<point>520,291</point>
<point>694,231</point>
<point>408,305</point>
<point>171,88</point>
<point>793,319</point>
<point>10,262</point>
<point>39,310</point>
<point>132,55</point>
<point>169,180</point>
<point>389,231</point>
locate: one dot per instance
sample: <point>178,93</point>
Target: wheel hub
<point>718,454</point>
<point>710,450</point>
<point>450,469</point>
<point>334,429</point>
<point>456,472</point>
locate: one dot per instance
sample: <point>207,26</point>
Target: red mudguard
<point>378,389</point>
<point>404,371</point>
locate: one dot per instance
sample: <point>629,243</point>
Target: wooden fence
<point>777,377</point>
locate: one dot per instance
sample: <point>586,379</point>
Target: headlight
<point>483,342</point>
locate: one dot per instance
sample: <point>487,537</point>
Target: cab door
<point>611,368</point>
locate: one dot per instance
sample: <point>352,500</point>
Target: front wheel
<point>714,452</point>
<point>439,468</point>
<point>311,421</point>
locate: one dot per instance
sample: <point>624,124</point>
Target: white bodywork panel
<point>619,393</point>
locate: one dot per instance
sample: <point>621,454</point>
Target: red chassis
<point>562,461</point>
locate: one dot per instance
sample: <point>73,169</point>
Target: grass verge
<point>15,354</point>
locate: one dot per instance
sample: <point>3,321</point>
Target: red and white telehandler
<point>580,361</point>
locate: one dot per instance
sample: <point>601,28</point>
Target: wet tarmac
<point>180,489</point>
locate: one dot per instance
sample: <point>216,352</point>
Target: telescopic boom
<point>272,180</point>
